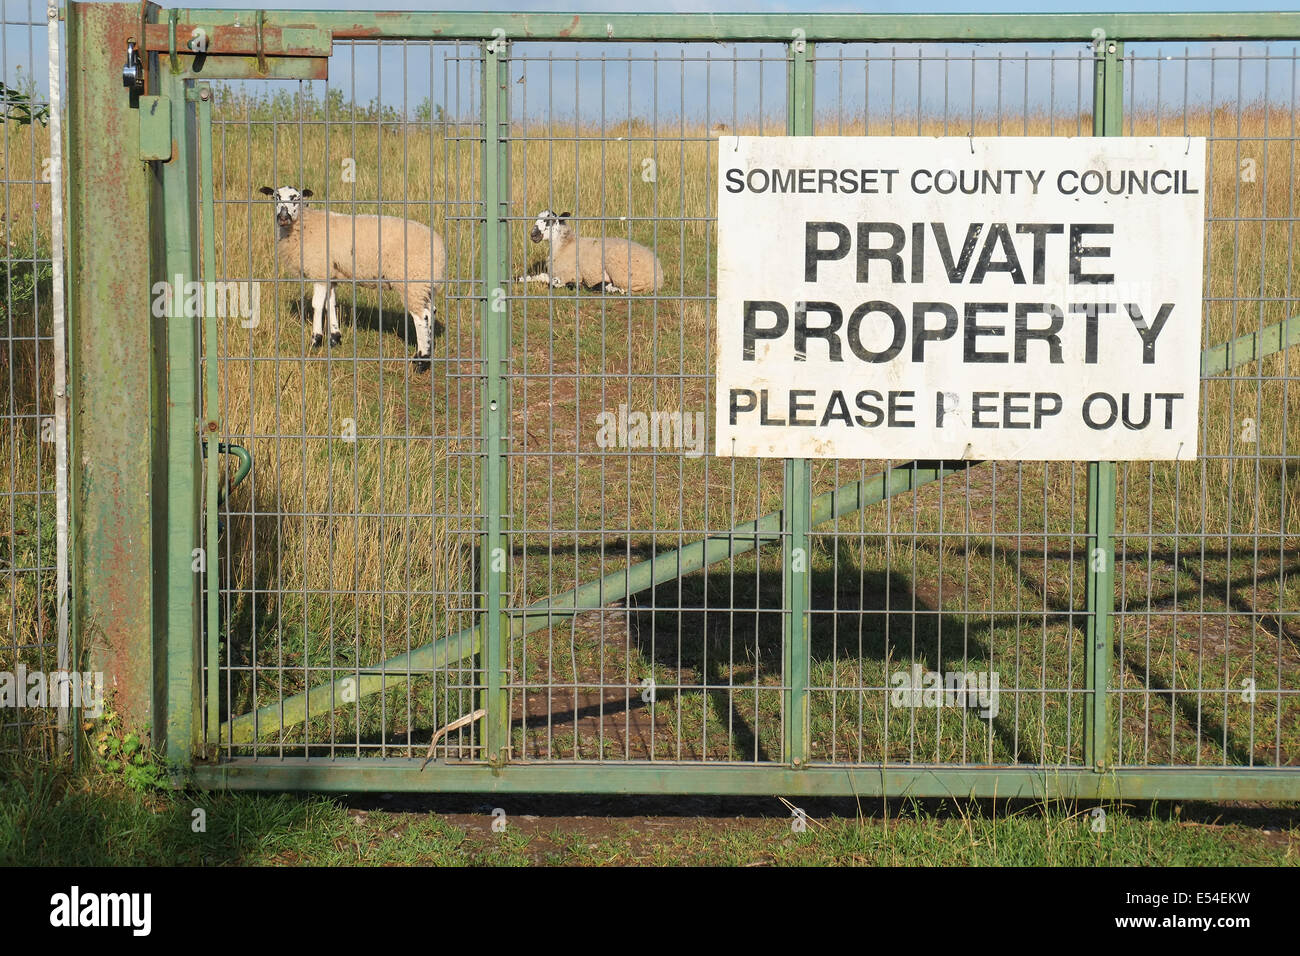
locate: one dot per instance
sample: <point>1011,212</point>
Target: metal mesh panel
<point>611,459</point>
<point>1209,629</point>
<point>352,541</point>
<point>28,624</point>
<point>981,574</point>
<point>357,544</point>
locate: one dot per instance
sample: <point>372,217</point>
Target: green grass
<point>50,817</point>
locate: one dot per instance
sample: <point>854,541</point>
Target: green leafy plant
<point>24,279</point>
<point>124,755</point>
<point>19,106</point>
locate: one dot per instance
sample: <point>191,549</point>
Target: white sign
<point>1000,298</point>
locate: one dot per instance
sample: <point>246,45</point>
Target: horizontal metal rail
<point>771,28</point>
<point>1010,783</point>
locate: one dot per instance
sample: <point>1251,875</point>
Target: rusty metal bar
<point>239,40</point>
<point>112,374</point>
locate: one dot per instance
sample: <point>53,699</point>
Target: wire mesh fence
<point>645,584</point>
<point>351,541</point>
<point>946,620</point>
<point>983,573</point>
<point>28,644</point>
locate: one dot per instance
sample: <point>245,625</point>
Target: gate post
<point>796,508</point>
<point>176,499</point>
<point>113,380</point>
<point>1107,120</point>
<point>495,248</point>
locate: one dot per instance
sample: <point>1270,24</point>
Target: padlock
<point>133,71</point>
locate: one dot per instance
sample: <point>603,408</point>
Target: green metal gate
<point>478,577</point>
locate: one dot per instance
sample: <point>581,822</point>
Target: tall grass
<point>356,537</point>
<point>27,504</point>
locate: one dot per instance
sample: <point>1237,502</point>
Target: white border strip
<point>60,354</point>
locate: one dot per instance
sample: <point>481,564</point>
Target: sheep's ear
<point>307,193</point>
<point>267,191</point>
<point>564,216</point>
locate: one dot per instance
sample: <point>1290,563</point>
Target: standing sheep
<point>611,265</point>
<point>403,262</point>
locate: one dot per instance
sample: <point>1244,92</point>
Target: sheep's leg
<point>423,324</point>
<point>319,292</point>
<point>554,281</point>
<point>332,301</point>
<point>608,286</point>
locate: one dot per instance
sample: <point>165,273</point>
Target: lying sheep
<point>611,265</point>
<point>409,250</point>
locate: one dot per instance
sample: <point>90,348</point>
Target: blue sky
<point>563,80</point>
<point>776,6</point>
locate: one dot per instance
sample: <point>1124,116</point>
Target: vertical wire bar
<point>1195,685</point>
<point>300,416</point>
<point>495,249</point>
<point>381,434</point>
<point>1284,451</point>
<point>330,497</point>
<point>207,237</point>
<point>1257,495</point>
<point>357,512</point>
<point>1107,119</point>
<point>223,350</point>
<point>11,410</point>
<point>408,595</point>
<point>796,506</point>
<point>1234,379</point>
<point>64,654</point>
<point>182,623</point>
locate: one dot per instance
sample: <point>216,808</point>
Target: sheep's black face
<point>548,226</point>
<point>288,204</point>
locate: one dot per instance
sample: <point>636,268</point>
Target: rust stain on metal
<point>105,195</point>
<point>145,7</point>
<point>573,25</point>
<point>233,40</point>
<point>359,31</point>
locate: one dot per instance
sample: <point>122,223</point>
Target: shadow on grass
<point>250,605</point>
<point>696,626</point>
<point>48,818</point>
<point>1186,702</point>
<point>356,315</point>
<point>869,809</point>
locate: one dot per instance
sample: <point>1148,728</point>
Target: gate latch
<point>155,127</point>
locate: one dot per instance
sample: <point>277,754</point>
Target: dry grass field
<point>355,539</point>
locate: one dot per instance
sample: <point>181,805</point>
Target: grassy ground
<point>48,818</point>
<point>355,538</point>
